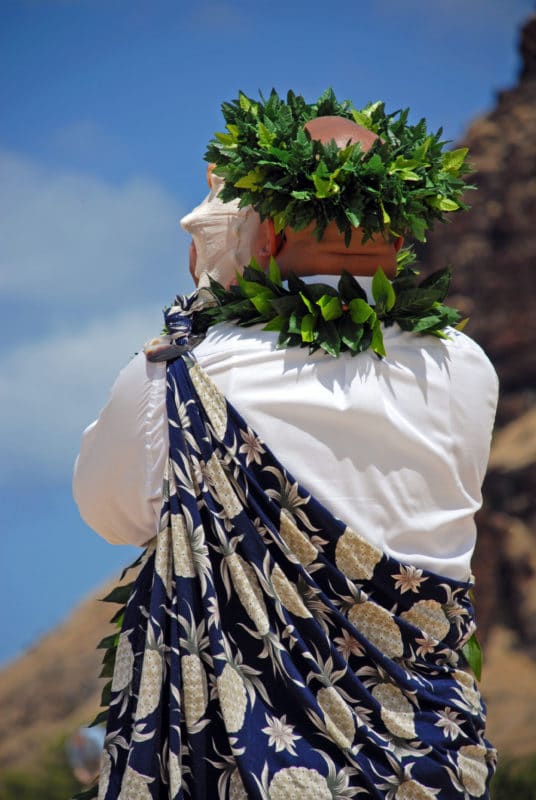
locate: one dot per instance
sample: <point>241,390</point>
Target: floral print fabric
<point>269,652</point>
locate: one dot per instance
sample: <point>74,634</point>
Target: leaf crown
<point>402,185</point>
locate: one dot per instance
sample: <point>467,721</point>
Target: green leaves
<point>418,306</point>
<point>443,203</point>
<point>377,340</point>
<point>454,160</point>
<point>273,272</point>
<point>265,136</point>
<point>120,595</point>
<point>365,116</point>
<point>405,168</point>
<point>226,139</point>
<point>330,307</point>
<point>383,292</point>
<point>349,288</point>
<point>360,311</point>
<point>253,180</point>
<point>325,182</point>
<point>404,183</point>
<point>317,316</point>
<point>473,655</point>
<point>307,328</point>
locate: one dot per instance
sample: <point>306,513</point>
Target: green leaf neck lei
<point>320,317</point>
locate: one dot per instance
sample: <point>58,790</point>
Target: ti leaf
<point>328,338</point>
<point>439,282</point>
<point>119,595</point>
<point>308,328</point>
<point>275,324</point>
<point>377,340</point>
<point>307,303</point>
<point>273,272</point>
<point>249,288</point>
<point>262,300</point>
<point>382,291</point>
<point>351,334</point>
<point>294,324</point>
<point>360,311</point>
<point>330,307</point>
<point>349,288</point>
<point>473,655</point>
<point>284,305</point>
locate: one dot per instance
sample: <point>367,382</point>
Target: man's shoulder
<point>227,337</point>
<point>457,354</point>
<point>468,350</point>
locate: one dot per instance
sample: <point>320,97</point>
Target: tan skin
<point>299,251</point>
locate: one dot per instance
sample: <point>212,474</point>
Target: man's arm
<point>117,481</point>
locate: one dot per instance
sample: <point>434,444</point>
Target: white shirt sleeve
<point>117,482</point>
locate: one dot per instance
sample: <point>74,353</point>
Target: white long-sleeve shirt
<point>397,448</point>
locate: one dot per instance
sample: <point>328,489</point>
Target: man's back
<point>396,448</point>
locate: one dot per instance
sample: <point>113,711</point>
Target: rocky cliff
<point>493,252</point>
<point>493,247</point>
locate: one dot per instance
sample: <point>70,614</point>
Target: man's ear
<point>267,242</point>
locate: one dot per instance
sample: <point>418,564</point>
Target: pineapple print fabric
<point>268,651</point>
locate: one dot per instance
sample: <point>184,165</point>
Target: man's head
<point>340,130</point>
<point>334,187</point>
<point>300,251</point>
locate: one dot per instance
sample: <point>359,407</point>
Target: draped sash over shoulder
<point>268,651</point>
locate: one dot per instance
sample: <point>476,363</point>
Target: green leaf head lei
<point>401,186</point>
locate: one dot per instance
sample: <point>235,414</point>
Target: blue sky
<point>106,107</point>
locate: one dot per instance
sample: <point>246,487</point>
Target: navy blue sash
<point>268,651</point>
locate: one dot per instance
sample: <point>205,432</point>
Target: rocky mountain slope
<point>493,247</point>
<point>493,251</point>
<point>54,686</point>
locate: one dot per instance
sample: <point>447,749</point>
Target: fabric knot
<point>178,318</point>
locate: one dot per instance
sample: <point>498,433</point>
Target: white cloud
<point>50,391</point>
<point>85,137</point>
<point>70,238</point>
<point>85,267</point>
